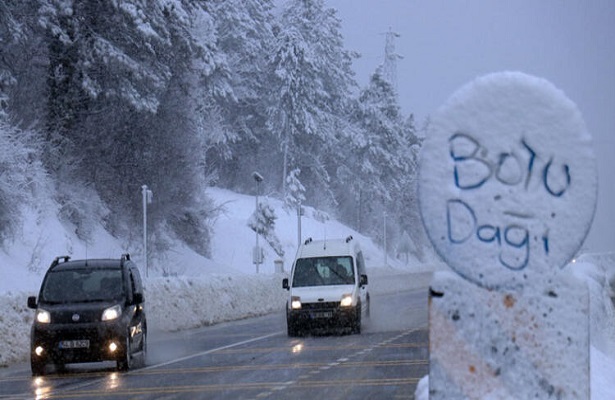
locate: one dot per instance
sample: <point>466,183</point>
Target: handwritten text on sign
<point>517,168</point>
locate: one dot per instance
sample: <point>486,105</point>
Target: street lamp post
<point>256,254</point>
<point>147,199</point>
<point>385,239</point>
<point>299,213</point>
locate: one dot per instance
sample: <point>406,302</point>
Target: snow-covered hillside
<point>203,291</point>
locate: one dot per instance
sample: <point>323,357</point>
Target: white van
<point>328,286</point>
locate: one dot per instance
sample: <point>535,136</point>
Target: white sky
<point>446,44</point>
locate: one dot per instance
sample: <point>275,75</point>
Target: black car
<point>89,311</point>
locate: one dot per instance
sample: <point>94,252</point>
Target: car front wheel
<point>123,364</point>
<point>37,367</point>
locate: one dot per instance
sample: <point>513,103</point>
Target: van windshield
<point>82,285</point>
<point>322,271</point>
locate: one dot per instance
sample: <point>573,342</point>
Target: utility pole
<point>299,212</point>
<point>386,261</point>
<point>390,59</point>
<point>147,199</point>
<point>257,254</point>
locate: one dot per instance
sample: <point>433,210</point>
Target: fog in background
<point>447,44</point>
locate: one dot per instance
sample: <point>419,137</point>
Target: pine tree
<point>312,86</point>
<point>244,34</point>
<point>295,191</point>
<point>376,152</point>
<point>121,103</point>
<point>22,58</point>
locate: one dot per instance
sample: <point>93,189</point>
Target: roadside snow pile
<point>189,302</point>
<point>596,272</point>
<point>172,304</point>
<point>15,323</point>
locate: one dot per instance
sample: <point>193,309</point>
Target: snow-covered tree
<point>122,100</point>
<point>23,179</point>
<point>262,222</point>
<point>295,191</point>
<point>22,60</point>
<point>375,154</point>
<point>379,162</point>
<point>9,32</point>
<point>236,118</point>
<point>313,80</point>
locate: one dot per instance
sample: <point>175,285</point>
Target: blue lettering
<point>492,233</point>
<point>474,179</point>
<point>545,178</point>
<point>512,240</point>
<point>518,238</point>
<point>530,164</point>
<point>463,214</point>
<point>503,172</point>
<point>472,172</point>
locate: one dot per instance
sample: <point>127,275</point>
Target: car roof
<point>88,264</point>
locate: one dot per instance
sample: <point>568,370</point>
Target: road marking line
<point>203,353</point>
<point>67,390</point>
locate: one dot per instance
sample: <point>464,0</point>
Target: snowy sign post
<point>507,192</point>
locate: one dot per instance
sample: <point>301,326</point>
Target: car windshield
<point>319,271</point>
<point>82,285</point>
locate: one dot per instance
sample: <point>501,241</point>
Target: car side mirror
<point>285,284</point>
<point>32,302</point>
<point>137,298</point>
<point>363,280</point>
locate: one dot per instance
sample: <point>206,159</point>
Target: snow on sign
<point>508,181</point>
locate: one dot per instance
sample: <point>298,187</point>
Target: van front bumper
<point>321,314</point>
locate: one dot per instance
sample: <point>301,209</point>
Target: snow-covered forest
<point>101,97</point>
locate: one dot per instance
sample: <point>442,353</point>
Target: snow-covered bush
<point>192,227</point>
<point>80,206</point>
<point>262,222</point>
<point>22,178</point>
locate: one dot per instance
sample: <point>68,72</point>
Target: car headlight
<point>43,316</point>
<point>295,303</point>
<point>112,313</point>
<point>346,300</point>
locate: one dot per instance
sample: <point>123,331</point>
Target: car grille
<point>70,317</point>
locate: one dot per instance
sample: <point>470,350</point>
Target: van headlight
<point>346,300</point>
<point>112,313</point>
<point>295,303</point>
<point>42,316</point>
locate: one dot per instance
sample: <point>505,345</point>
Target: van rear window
<point>323,271</point>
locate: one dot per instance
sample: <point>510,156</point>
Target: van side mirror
<point>32,302</point>
<point>285,284</point>
<point>363,280</point>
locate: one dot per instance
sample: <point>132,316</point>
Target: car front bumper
<point>53,340</point>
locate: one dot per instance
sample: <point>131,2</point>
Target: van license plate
<point>326,314</point>
<point>75,344</point>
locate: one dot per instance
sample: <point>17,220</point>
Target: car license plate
<point>75,344</point>
<point>325,314</point>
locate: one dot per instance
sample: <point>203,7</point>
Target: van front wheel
<point>356,322</point>
<point>291,329</point>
